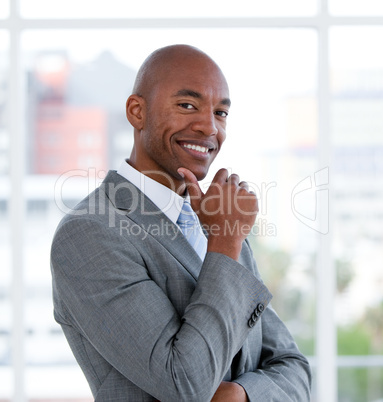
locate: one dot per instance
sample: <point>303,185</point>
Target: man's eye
<point>222,113</point>
<point>186,105</point>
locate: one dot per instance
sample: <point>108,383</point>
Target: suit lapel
<point>128,199</point>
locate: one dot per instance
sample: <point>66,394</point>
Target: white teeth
<point>197,148</point>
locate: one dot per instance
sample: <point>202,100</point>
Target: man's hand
<point>227,210</point>
<point>230,392</point>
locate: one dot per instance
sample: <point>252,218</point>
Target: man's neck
<point>178,186</point>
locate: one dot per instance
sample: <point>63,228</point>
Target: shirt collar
<point>169,202</point>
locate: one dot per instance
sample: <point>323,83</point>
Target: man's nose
<point>206,124</point>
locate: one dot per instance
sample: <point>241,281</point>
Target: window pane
<point>272,139</point>
<point>360,384</point>
<point>356,7</point>
<point>165,9</point>
<point>357,127</point>
<point>5,250</point>
<point>4,8</point>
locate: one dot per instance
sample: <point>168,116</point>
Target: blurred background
<point>305,130</point>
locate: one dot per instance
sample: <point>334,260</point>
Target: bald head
<point>163,62</point>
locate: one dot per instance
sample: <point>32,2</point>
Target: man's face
<point>185,119</point>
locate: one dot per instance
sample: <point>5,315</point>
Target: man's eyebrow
<point>197,95</point>
<point>226,102</point>
<point>189,92</point>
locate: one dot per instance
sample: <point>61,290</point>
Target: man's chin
<point>199,173</point>
<point>200,176</point>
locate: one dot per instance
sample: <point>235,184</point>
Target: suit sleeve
<point>103,289</point>
<point>283,372</point>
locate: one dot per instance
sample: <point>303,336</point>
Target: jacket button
<point>251,323</point>
<point>260,307</point>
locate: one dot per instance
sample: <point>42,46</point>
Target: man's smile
<point>196,149</point>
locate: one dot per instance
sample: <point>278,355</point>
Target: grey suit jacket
<point>147,320</point>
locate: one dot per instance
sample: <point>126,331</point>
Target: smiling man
<point>153,307</point>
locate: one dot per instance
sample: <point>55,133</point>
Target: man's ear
<point>135,111</point>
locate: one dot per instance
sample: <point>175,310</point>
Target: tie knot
<point>187,217</point>
<point>187,212</point>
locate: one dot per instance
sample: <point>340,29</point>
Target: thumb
<point>191,183</point>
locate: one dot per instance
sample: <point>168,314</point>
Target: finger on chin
<point>187,174</point>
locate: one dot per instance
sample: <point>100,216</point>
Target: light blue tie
<point>191,228</point>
